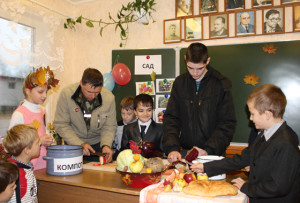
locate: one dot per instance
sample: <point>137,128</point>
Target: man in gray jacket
<point>86,115</point>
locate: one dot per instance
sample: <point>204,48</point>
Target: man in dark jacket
<point>200,111</point>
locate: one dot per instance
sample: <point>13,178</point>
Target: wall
<point>85,48</point>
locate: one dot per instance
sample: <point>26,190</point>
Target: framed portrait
<point>208,6</point>
<point>273,20</point>
<point>162,101</point>
<point>184,8</point>
<point>218,26</point>
<point>234,4</point>
<point>193,28</point>
<point>245,23</point>
<point>164,85</point>
<point>260,3</point>
<point>172,31</point>
<point>296,18</point>
<point>289,1</point>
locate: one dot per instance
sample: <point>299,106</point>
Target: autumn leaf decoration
<point>251,79</point>
<point>44,76</point>
<point>270,49</point>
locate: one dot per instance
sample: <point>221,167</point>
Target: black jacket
<point>203,118</point>
<point>274,168</point>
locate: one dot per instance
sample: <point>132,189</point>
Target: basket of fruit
<point>138,171</point>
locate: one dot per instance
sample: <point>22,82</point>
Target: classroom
<point>65,37</point>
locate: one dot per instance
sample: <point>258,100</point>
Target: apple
<point>202,177</point>
<point>189,177</point>
<point>181,175</point>
<point>102,160</point>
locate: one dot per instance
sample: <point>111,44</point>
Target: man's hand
<point>87,149</point>
<point>109,153</point>
<point>197,168</point>
<point>238,182</point>
<point>174,156</point>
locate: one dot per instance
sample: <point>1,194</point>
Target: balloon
<point>121,74</point>
<point>109,82</point>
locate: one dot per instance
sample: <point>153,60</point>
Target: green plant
<point>133,12</point>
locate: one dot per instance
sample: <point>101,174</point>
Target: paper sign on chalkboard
<point>146,64</point>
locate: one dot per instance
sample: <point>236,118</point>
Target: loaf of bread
<point>213,188</point>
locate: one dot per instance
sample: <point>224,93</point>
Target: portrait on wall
<point>259,3</point>
<point>245,23</point>
<point>193,28</point>
<point>235,4</point>
<point>208,6</point>
<point>184,8</point>
<point>218,26</point>
<point>172,30</point>
<point>273,20</point>
<point>289,1</point>
<point>297,18</point>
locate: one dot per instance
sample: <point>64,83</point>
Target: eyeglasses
<point>197,69</point>
<point>246,18</point>
<point>275,19</point>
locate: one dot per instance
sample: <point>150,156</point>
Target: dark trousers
<point>93,158</point>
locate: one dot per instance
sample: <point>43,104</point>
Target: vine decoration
<point>133,12</point>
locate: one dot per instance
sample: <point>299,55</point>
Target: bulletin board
<point>281,68</point>
<point>128,58</point>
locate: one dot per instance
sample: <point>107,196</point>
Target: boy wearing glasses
<point>272,19</point>
<point>200,111</point>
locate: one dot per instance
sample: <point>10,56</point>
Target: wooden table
<point>89,186</point>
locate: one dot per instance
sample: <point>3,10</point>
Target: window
<point>16,44</point>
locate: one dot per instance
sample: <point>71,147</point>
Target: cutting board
<point>105,167</point>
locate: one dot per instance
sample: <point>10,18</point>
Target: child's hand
<point>46,140</point>
<point>238,182</point>
<point>201,152</point>
<point>247,168</point>
<point>197,168</point>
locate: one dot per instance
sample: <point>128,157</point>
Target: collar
<point>134,120</point>
<point>78,91</point>
<point>33,107</point>
<point>269,132</point>
<point>20,163</point>
<point>147,124</point>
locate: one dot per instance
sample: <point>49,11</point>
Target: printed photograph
<point>184,8</point>
<point>259,3</point>
<point>297,18</point>
<point>289,1</point>
<point>273,20</point>
<point>208,6</point>
<point>235,4</point>
<point>162,101</point>
<point>245,23</point>
<point>164,85</point>
<point>172,30</point>
<point>159,115</point>
<point>193,28</point>
<point>145,88</point>
<point>218,26</point>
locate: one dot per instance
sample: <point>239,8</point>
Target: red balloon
<point>121,74</point>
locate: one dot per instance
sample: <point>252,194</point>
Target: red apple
<point>189,177</point>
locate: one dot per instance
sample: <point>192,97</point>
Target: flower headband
<point>44,76</point>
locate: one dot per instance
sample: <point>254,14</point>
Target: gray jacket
<point>70,125</point>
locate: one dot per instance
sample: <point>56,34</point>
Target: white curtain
<point>44,48</point>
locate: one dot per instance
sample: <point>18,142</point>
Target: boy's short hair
<point>93,77</point>
<point>19,137</point>
<point>145,99</point>
<point>9,173</point>
<point>196,53</point>
<point>127,103</point>
<point>268,97</point>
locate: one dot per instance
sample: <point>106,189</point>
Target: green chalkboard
<point>127,57</point>
<point>281,69</point>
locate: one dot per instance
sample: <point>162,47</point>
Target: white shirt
<point>147,124</point>
<point>268,133</point>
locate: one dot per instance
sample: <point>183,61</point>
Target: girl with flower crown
<point>30,111</point>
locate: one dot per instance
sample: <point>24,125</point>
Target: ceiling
<point>76,2</point>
